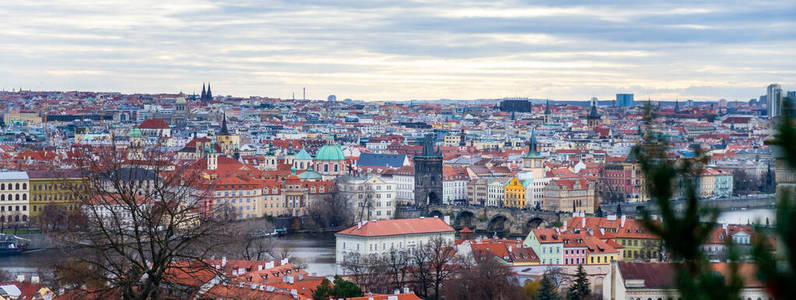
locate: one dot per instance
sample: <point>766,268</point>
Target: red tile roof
<point>154,124</point>
<point>398,226</point>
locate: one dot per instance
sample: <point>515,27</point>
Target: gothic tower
<point>428,174</point>
<point>594,117</point>
<point>547,115</point>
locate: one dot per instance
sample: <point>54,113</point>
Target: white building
<point>371,198</point>
<point>639,281</point>
<point>404,180</point>
<point>454,187</point>
<point>495,192</point>
<point>379,237</point>
<point>14,197</point>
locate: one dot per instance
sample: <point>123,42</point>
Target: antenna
<point>303,93</point>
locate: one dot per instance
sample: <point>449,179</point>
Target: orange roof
<point>408,296</point>
<point>154,124</point>
<point>398,226</point>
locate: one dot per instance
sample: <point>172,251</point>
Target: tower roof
<point>224,130</point>
<point>532,149</point>
<point>303,154</point>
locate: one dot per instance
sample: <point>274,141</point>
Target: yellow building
<point>22,117</point>
<point>55,187</point>
<point>514,194</point>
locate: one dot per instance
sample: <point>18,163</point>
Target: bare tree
<point>331,212</point>
<point>141,214</point>
<point>397,264</point>
<point>432,265</point>
<point>487,279</point>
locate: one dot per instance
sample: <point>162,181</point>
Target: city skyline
<point>387,51</point>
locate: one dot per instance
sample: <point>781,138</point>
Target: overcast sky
<point>398,50</point>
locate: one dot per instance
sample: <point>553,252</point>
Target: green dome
<point>180,100</point>
<point>330,152</point>
<point>135,132</point>
<point>303,154</point>
<point>310,174</point>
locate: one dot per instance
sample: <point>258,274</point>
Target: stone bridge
<point>496,219</point>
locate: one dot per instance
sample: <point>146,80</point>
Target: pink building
<point>575,250</point>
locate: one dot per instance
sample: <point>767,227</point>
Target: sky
<point>401,50</point>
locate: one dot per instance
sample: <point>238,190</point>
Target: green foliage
<point>323,291</point>
<point>778,276</point>
<point>345,289</point>
<point>548,289</point>
<point>682,233</point>
<point>580,289</point>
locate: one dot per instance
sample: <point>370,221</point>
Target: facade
<point>774,100</point>
<point>622,181</point>
<point>571,194</point>
<point>14,197</point>
<point>369,238</point>
<point>624,100</point>
<point>514,194</point>
<point>404,180</point>
<point>58,188</point>
<point>495,191</point>
<point>547,244</point>
<point>371,198</point>
<point>454,186</point>
<point>477,194</point>
<point>428,174</point>
<point>228,142</point>
<point>633,281</point>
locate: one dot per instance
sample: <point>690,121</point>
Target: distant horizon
<point>402,50</point>
<point>532,99</point>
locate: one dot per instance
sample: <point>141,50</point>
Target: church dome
<point>135,132</point>
<point>303,155</point>
<point>330,152</point>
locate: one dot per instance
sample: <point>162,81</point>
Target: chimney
<point>509,249</point>
<point>241,271</point>
<point>447,220</point>
<point>223,261</point>
<point>259,267</point>
<point>34,279</point>
<point>397,291</point>
<point>623,221</point>
<point>406,290</point>
<point>565,226</point>
<point>583,222</point>
<point>21,278</point>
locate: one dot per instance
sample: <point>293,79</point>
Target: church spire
<point>204,93</point>
<point>532,145</point>
<point>209,93</point>
<point>224,130</point>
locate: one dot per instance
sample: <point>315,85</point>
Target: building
<point>14,197</point>
<point>514,194</point>
<point>774,100</point>
<point>55,189</point>
<point>371,198</point>
<point>547,244</point>
<point>428,174</point>
<point>570,194</point>
<point>228,142</point>
<point>404,179</point>
<point>477,192</point>
<point>495,191</point>
<point>633,281</point>
<point>22,117</point>
<point>368,238</point>
<point>624,100</point>
<point>622,181</point>
<point>154,129</point>
<point>593,118</point>
<point>454,186</point>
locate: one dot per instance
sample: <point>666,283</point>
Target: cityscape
<point>422,167</point>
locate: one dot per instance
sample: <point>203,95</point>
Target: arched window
<point>17,186</point>
<point>3,197</point>
<point>2,186</point>
<point>24,186</point>
<point>24,196</point>
<point>17,197</point>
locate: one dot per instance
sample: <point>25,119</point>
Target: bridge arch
<point>534,223</point>
<point>499,223</point>
<point>436,213</point>
<point>465,218</point>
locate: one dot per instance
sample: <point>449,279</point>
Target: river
<point>316,251</point>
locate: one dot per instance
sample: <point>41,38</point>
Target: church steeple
<point>209,93</point>
<point>224,130</point>
<point>204,92</point>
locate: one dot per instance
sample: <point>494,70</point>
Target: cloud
<point>402,50</point>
